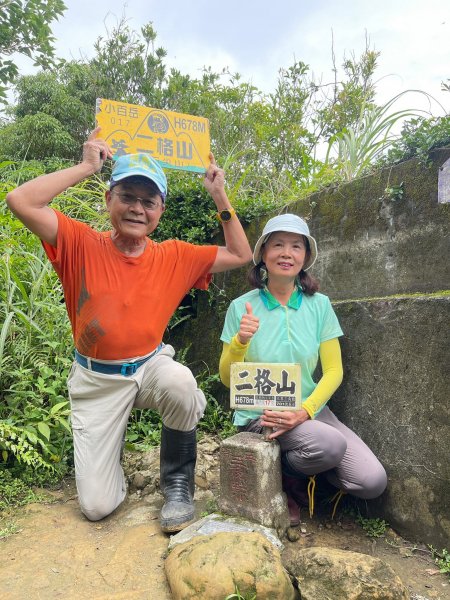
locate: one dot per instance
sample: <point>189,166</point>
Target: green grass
<point>442,559</point>
<point>238,596</point>
<point>373,527</point>
<point>8,527</point>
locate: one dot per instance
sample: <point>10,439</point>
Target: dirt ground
<point>57,553</point>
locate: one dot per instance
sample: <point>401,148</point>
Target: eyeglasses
<point>130,199</point>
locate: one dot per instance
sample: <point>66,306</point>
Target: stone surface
<point>332,574</point>
<point>250,481</point>
<point>395,396</point>
<point>215,523</point>
<point>58,554</point>
<point>211,567</point>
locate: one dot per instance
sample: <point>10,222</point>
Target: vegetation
<point>25,29</point>
<point>442,559</point>
<point>238,596</point>
<point>269,144</point>
<point>373,527</point>
<point>15,492</point>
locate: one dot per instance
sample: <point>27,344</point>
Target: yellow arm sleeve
<point>232,352</point>
<point>332,373</point>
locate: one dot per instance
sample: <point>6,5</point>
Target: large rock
<point>333,574</point>
<point>211,567</point>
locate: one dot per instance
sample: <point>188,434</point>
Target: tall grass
<point>34,342</point>
<point>354,150</point>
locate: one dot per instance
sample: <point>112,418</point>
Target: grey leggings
<point>325,445</point>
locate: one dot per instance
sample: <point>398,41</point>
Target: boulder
<point>211,567</point>
<point>333,574</point>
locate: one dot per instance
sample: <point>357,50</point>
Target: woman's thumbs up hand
<point>249,325</point>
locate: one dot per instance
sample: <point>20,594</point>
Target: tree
<point>127,66</point>
<point>25,29</point>
<point>267,142</point>
<point>355,91</point>
<point>52,117</point>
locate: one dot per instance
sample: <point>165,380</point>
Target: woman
<point>285,319</point>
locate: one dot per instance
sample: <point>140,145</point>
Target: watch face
<point>225,215</point>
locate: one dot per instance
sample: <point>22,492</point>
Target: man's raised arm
<point>237,251</point>
<point>29,202</point>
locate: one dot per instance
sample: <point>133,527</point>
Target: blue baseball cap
<point>139,165</point>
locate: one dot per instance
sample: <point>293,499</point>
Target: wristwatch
<point>226,215</point>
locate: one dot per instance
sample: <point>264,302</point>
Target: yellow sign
<point>275,386</point>
<point>175,140</point>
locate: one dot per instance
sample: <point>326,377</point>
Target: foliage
<point>373,527</point>
<point>357,90</point>
<point>418,137</point>
<point>211,507</point>
<point>39,136</point>
<point>442,559</point>
<point>143,430</point>
<point>216,419</point>
<point>266,143</point>
<point>393,192</point>
<point>238,596</point>
<point>25,29</point>
<point>190,212</point>
<point>7,527</point>
<point>128,67</point>
<point>14,492</point>
<point>14,173</point>
<point>356,148</point>
<point>34,337</point>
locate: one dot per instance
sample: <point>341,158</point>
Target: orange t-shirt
<point>119,306</point>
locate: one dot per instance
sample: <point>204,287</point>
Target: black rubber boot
<point>178,455</point>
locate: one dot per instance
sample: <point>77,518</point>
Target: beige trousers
<point>101,405</point>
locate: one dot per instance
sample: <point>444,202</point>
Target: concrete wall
<point>384,264</point>
<point>395,396</point>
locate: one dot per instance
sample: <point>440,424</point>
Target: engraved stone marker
<point>250,480</point>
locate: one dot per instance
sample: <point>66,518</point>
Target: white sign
<point>444,183</point>
<point>275,386</point>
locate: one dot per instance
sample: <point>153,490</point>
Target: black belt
<point>126,369</point>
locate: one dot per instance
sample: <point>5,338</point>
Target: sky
<point>257,38</point>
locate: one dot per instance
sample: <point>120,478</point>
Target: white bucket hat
<point>291,224</point>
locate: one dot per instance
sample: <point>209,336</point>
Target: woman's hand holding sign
<point>249,325</point>
<point>282,421</point>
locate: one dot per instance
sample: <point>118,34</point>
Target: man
<point>121,289</point>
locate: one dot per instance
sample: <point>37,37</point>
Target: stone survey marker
<point>275,386</point>
<point>250,480</point>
